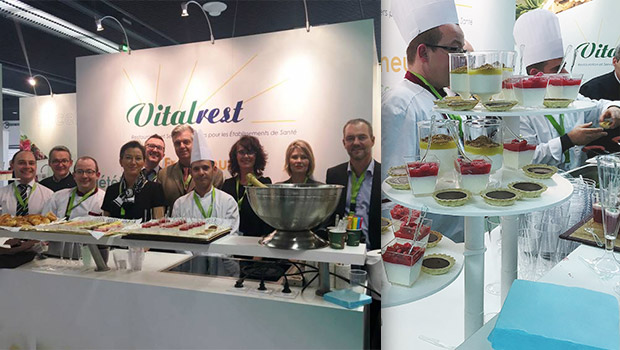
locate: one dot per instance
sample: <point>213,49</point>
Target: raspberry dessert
<point>564,86</point>
<point>423,175</point>
<point>403,261</point>
<point>530,91</point>
<point>474,174</point>
<point>518,154</point>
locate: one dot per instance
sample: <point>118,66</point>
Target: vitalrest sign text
<point>143,114</point>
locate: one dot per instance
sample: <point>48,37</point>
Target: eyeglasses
<point>157,147</point>
<point>244,153</point>
<point>449,49</point>
<point>87,172</point>
<point>61,161</point>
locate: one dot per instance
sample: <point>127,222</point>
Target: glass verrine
<point>459,79</point>
<point>609,191</point>
<point>564,86</point>
<point>484,137</point>
<point>508,59</point>
<point>485,74</point>
<point>436,137</point>
<point>530,90</point>
<point>422,174</point>
<point>518,152</point>
<point>402,258</point>
<point>473,174</point>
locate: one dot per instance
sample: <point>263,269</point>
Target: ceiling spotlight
<point>184,13</point>
<point>33,82</point>
<point>100,28</point>
<point>214,8</point>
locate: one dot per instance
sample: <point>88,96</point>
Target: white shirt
<point>225,207</point>
<point>37,200</point>
<point>401,110</point>
<point>549,150</point>
<point>58,203</point>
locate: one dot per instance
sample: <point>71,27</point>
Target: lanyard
<point>239,200</point>
<point>561,131</point>
<point>120,190</point>
<point>438,95</point>
<point>70,205</point>
<point>356,184</point>
<point>18,196</point>
<point>202,210</point>
<point>187,181</point>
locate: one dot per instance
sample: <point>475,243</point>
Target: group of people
<point>431,29</point>
<point>193,187</point>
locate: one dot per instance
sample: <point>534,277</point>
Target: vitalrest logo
<point>143,114</point>
<point>594,50</point>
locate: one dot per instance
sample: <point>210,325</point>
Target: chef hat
<point>539,31</point>
<point>413,17</point>
<point>200,149</point>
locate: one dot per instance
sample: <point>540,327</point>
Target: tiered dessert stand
<point>559,190</point>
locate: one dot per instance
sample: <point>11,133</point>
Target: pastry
<point>540,171</point>
<point>437,264</point>
<point>500,197</point>
<point>462,105</point>
<point>499,105</point>
<point>434,239</point>
<point>398,183</point>
<point>556,102</point>
<point>452,197</point>
<point>397,171</point>
<point>528,189</point>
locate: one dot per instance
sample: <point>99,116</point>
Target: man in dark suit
<point>361,178</point>
<point>176,178</point>
<point>606,86</point>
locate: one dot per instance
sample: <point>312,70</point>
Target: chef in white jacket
<point>430,27</point>
<point>206,201</point>
<point>83,200</point>
<point>559,136</point>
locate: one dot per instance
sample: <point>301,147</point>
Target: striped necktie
<point>22,210</point>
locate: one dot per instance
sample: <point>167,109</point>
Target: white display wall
<point>278,86</point>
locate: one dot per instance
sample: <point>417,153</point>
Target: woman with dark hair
<point>299,163</point>
<point>134,197</point>
<point>247,156</point>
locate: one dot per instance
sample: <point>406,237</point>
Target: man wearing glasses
<point>430,29</point>
<point>83,200</point>
<point>60,161</point>
<point>155,152</point>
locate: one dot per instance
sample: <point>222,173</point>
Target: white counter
<point>79,309</point>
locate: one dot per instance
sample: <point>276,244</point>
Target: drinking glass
<point>485,74</point>
<point>609,184</point>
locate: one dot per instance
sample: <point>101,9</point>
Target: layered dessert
<point>485,81</point>
<point>459,81</point>
<point>407,229</point>
<point>564,86</point>
<point>530,91</point>
<point>518,153</point>
<point>485,146</point>
<point>400,213</point>
<point>422,176</point>
<point>403,262</point>
<point>508,88</point>
<point>443,148</point>
<point>474,174</point>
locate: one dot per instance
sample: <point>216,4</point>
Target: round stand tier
<point>559,190</point>
<point>392,295</point>
<point>479,110</point>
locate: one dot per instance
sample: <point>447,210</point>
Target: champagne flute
<point>609,184</point>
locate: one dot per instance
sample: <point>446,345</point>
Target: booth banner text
<point>278,87</point>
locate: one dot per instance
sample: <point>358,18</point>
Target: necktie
<point>23,193</point>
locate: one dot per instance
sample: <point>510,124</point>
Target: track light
<point>184,13</point>
<point>100,28</point>
<point>33,82</point>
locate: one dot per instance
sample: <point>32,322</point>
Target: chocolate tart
<point>453,197</point>
<point>385,225</point>
<point>463,105</point>
<point>500,197</point>
<point>539,171</point>
<point>528,189</point>
<point>433,239</point>
<point>397,171</point>
<point>605,124</point>
<point>557,102</point>
<point>437,264</point>
<point>443,103</point>
<point>398,182</point>
<point>499,105</point>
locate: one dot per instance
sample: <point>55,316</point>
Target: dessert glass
<point>485,74</point>
<point>508,87</point>
<point>564,86</point>
<point>508,59</point>
<point>402,260</point>
<point>519,153</point>
<point>484,137</point>
<point>442,144</point>
<point>530,90</point>
<point>473,174</point>
<point>422,174</point>
<point>459,79</point>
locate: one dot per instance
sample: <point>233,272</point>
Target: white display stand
<point>393,295</point>
<point>479,110</point>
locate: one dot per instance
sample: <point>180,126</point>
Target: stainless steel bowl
<point>293,209</point>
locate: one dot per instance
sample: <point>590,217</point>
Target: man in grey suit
<point>176,178</point>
